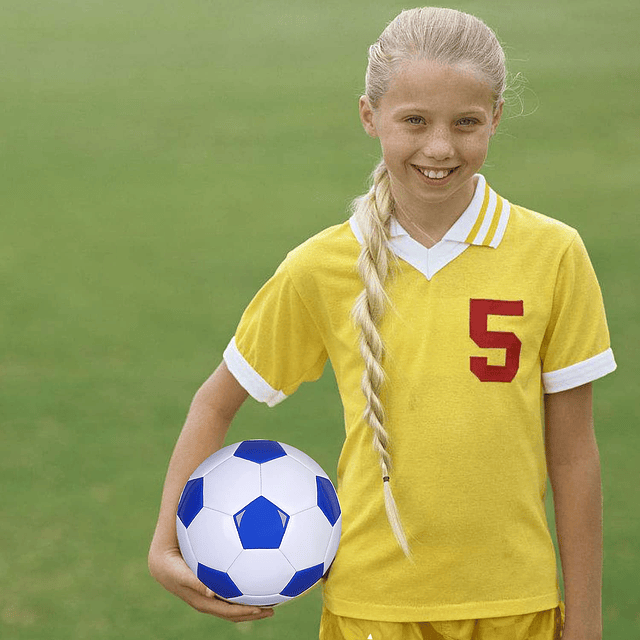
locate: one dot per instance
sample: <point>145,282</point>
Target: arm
<point>213,408</point>
<point>573,464</point>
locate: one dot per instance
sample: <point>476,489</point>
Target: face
<point>434,119</point>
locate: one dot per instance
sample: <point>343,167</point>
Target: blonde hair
<point>449,37</point>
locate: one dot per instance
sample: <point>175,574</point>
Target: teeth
<point>436,175</point>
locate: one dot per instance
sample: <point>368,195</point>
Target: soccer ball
<point>259,523</point>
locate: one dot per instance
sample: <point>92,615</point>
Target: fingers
<point>212,605</point>
<point>173,573</point>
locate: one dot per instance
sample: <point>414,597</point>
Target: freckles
<point>477,146</point>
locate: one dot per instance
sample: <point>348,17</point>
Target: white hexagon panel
<point>259,522</point>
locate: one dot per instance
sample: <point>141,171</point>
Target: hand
<point>173,573</point>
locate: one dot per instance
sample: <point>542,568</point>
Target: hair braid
<point>373,213</point>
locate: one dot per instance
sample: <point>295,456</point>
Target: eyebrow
<point>417,109</point>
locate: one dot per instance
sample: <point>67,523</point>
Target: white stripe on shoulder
<point>249,378</point>
<point>579,373</point>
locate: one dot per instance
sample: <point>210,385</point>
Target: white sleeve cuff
<point>579,373</point>
<point>249,378</point>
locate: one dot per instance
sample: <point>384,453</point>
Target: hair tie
<point>385,479</point>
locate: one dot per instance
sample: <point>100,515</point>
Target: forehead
<point>431,86</point>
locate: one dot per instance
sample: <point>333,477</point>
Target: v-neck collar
<point>482,223</point>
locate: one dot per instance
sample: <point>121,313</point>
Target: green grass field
<point>158,161</point>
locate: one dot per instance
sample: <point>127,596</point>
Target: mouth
<point>435,176</point>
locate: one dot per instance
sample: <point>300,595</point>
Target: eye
<point>420,118</point>
<point>467,122</point>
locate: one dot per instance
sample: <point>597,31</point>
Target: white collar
<point>482,223</point>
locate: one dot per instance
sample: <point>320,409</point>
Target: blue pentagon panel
<point>328,499</point>
<point>260,450</point>
<point>302,581</point>
<point>190,501</point>
<point>218,581</point>
<point>261,525</point>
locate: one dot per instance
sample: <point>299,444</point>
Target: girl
<point>449,315</point>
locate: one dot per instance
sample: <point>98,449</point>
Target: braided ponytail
<point>373,212</point>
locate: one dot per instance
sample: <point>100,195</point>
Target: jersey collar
<point>483,223</point>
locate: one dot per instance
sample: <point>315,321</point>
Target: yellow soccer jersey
<point>506,307</point>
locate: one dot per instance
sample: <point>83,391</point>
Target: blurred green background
<point>159,159</point>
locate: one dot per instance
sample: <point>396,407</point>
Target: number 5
<point>478,314</point>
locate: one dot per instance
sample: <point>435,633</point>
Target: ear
<point>366,116</point>
<point>497,114</point>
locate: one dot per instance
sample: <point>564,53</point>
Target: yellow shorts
<point>540,625</point>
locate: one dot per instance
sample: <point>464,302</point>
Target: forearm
<point>203,434</point>
<point>577,493</point>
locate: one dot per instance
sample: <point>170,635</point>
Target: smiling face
<point>434,124</point>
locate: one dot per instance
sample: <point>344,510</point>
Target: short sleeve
<point>576,347</point>
<point>277,345</point>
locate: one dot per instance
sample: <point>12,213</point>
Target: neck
<point>428,222</point>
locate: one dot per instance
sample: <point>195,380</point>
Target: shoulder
<point>334,247</point>
<point>540,233</point>
<point>528,221</point>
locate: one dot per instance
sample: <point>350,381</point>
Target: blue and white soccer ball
<point>259,523</point>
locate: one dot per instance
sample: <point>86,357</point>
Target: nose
<point>438,143</point>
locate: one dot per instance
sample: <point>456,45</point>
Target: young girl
<point>448,315</point>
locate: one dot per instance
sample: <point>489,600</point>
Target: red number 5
<point>478,314</point>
